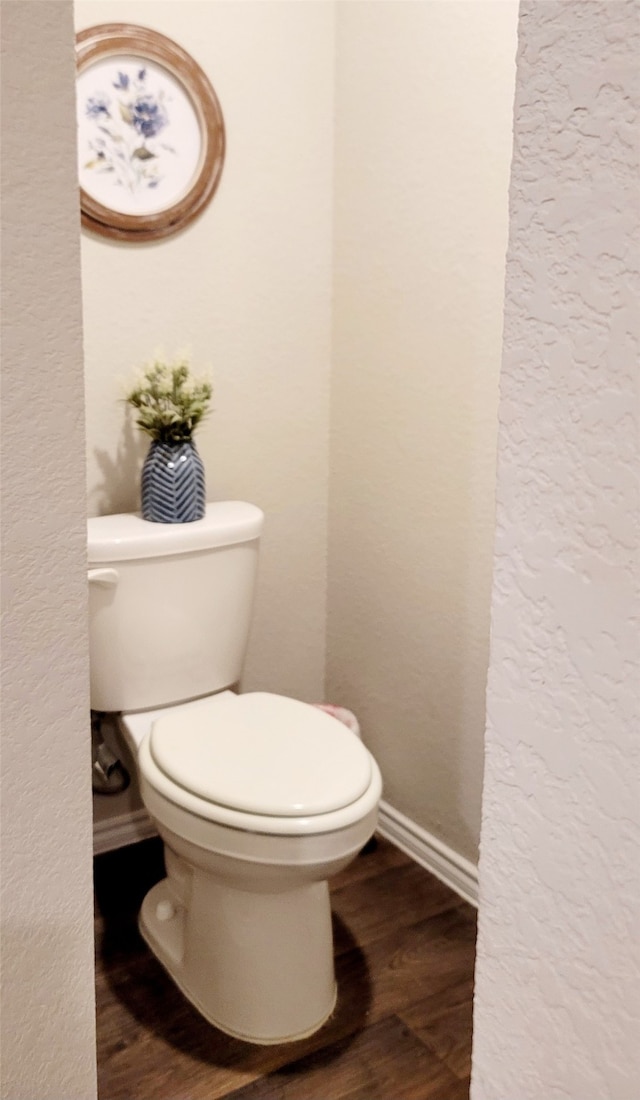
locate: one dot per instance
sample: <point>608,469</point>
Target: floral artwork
<point>128,121</point>
<point>151,136</point>
<point>139,139</point>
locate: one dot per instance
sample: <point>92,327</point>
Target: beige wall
<point>557,1009</point>
<point>47,1036</point>
<point>247,287</point>
<point>423,146</point>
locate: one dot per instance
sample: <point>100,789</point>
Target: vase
<point>173,483</point>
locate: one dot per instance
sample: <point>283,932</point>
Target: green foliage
<point>169,401</point>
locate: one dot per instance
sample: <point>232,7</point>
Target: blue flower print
<point>125,123</point>
<point>147,116</point>
<point>98,107</point>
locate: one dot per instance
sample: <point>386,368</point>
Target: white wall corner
<point>48,997</point>
<point>557,1000</point>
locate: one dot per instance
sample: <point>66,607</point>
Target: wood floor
<point>401,1029</point>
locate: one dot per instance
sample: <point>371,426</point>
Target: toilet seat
<point>262,754</point>
<point>165,742</point>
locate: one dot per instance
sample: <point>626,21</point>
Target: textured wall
<point>248,288</point>
<point>423,146</point>
<point>48,1049</point>
<point>558,977</point>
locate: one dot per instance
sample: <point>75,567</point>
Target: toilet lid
<point>262,754</point>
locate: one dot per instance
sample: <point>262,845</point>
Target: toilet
<point>258,798</point>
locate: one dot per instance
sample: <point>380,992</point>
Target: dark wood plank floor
<point>402,1025</point>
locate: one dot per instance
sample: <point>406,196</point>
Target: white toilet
<point>258,798</point>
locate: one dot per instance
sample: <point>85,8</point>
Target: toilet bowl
<point>258,798</point>
<point>285,796</point>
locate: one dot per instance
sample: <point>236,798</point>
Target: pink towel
<point>347,717</point>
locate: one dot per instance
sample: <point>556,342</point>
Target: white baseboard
<point>443,862</point>
<point>116,832</point>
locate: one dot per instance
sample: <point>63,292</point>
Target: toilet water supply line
<point>108,773</point>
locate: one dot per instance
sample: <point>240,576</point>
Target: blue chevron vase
<point>173,483</point>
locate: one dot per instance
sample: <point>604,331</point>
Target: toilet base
<point>257,966</point>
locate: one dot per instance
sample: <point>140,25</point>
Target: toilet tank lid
<point>128,536</point>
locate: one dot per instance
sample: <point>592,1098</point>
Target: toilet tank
<point>169,605</point>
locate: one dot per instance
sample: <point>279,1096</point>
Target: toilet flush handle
<point>105,577</point>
